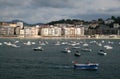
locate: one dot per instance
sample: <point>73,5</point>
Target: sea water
<point>51,63</point>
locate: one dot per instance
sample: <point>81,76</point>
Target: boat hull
<point>77,54</point>
<point>86,66</point>
<point>86,50</point>
<point>101,52</point>
<point>37,49</point>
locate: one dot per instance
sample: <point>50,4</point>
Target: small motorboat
<point>77,54</point>
<point>76,47</point>
<point>86,66</point>
<point>86,49</point>
<point>67,50</point>
<point>102,52</point>
<point>108,47</point>
<point>38,49</point>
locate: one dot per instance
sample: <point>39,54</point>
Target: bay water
<point>24,63</point>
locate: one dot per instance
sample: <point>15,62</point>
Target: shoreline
<point>58,38</point>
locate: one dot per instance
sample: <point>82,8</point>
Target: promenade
<point>83,37</point>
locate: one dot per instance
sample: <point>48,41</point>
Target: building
<point>79,31</point>
<point>109,21</point>
<point>69,32</point>
<point>51,31</point>
<point>73,31</point>
<point>12,24</point>
<point>29,32</point>
<point>17,30</point>
<point>20,24</point>
<point>4,24</point>
<point>21,33</point>
<point>116,25</point>
<point>6,31</point>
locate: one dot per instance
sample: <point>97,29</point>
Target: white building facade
<point>29,32</point>
<point>73,31</point>
<point>51,31</point>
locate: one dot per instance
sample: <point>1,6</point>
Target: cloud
<point>33,11</point>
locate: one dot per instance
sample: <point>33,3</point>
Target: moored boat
<point>102,52</point>
<point>38,49</point>
<point>77,54</point>
<point>86,49</point>
<point>87,66</point>
<point>67,50</point>
<point>108,47</point>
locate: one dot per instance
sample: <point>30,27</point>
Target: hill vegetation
<point>77,21</point>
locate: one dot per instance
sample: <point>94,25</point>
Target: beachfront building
<point>6,31</point>
<point>4,24</point>
<point>17,30</point>
<point>21,33</point>
<point>73,31</point>
<point>69,32</point>
<point>20,24</point>
<point>9,29</point>
<point>116,25</point>
<point>51,31</point>
<point>12,24</point>
<point>29,32</point>
<point>79,31</point>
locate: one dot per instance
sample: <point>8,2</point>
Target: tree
<point>100,20</point>
<point>113,17</point>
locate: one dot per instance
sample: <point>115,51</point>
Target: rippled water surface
<point>51,63</point>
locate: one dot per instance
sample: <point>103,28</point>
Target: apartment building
<point>73,31</point>
<point>6,31</point>
<point>49,31</point>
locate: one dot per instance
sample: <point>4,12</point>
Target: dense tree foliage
<point>77,21</point>
<point>67,21</point>
<point>116,19</point>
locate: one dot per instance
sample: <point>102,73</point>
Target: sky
<point>44,11</point>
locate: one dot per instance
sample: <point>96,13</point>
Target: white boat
<point>8,43</point>
<point>38,49</point>
<point>14,45</point>
<point>28,43</point>
<point>67,50</point>
<point>16,41</point>
<point>85,44</point>
<point>86,49</point>
<point>99,44</point>
<point>0,44</point>
<point>108,47</point>
<point>102,52</point>
<point>32,42</point>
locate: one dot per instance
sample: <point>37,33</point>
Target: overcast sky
<point>43,11</point>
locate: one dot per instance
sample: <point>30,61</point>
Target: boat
<point>0,44</point>
<point>76,47</point>
<point>67,50</point>
<point>38,49</point>
<point>108,47</point>
<point>77,54</point>
<point>102,52</point>
<point>86,49</point>
<point>86,66</point>
<point>85,44</point>
<point>57,43</point>
<point>27,43</point>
